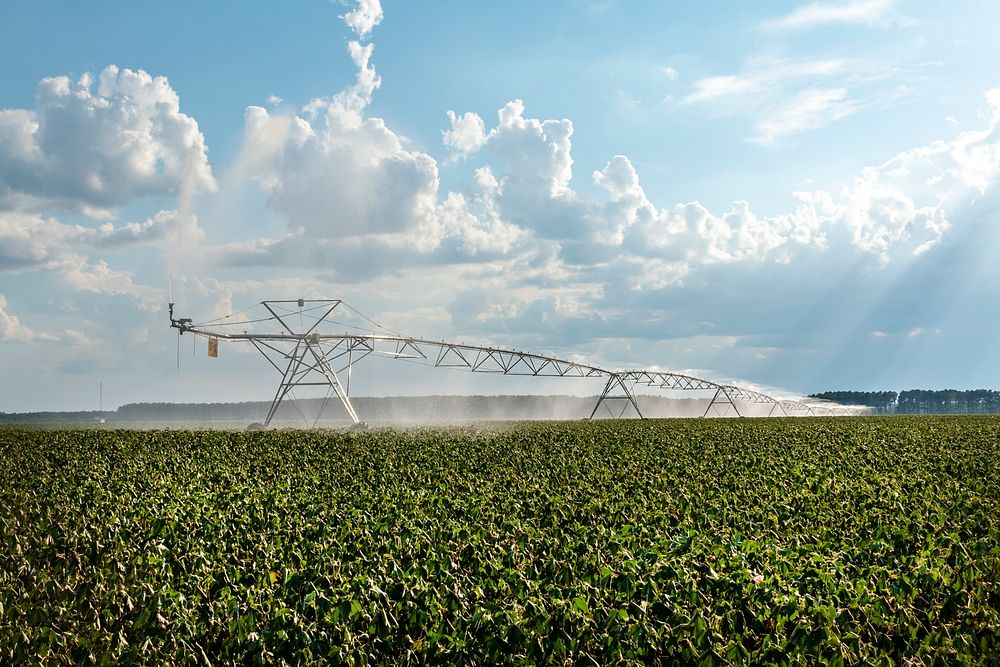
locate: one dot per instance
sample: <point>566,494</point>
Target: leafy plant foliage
<point>799,541</point>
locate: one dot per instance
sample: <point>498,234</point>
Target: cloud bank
<point>533,239</point>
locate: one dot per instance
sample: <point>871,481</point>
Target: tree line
<point>920,401</point>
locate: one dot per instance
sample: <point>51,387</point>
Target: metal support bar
<point>732,402</point>
<point>712,402</point>
<point>285,386</point>
<point>335,383</point>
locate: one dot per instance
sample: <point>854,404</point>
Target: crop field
<point>798,541</point>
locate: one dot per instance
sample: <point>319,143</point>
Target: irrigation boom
<point>310,356</point>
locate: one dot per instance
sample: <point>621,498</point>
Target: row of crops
<point>803,541</point>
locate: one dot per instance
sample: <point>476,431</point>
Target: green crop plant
<point>786,541</point>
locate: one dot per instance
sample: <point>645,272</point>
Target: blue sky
<point>794,195</point>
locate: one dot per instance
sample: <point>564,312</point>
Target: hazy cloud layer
<point>784,98</point>
<point>11,327</point>
<point>861,12</point>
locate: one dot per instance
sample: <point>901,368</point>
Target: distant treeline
<point>477,408</point>
<point>406,409</point>
<point>372,409</point>
<point>80,416</point>
<point>920,401</point>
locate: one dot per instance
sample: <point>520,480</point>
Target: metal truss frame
<point>307,356</point>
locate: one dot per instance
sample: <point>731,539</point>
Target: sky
<point>797,196</point>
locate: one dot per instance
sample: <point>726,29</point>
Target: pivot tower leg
<point>722,398</point>
<point>612,387</point>
<point>300,369</point>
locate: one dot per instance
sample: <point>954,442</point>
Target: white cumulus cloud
<point>364,17</point>
<point>335,172</point>
<point>348,183</point>
<point>92,150</point>
<point>467,134</point>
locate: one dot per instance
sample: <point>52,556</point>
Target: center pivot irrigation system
<point>309,355</point>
